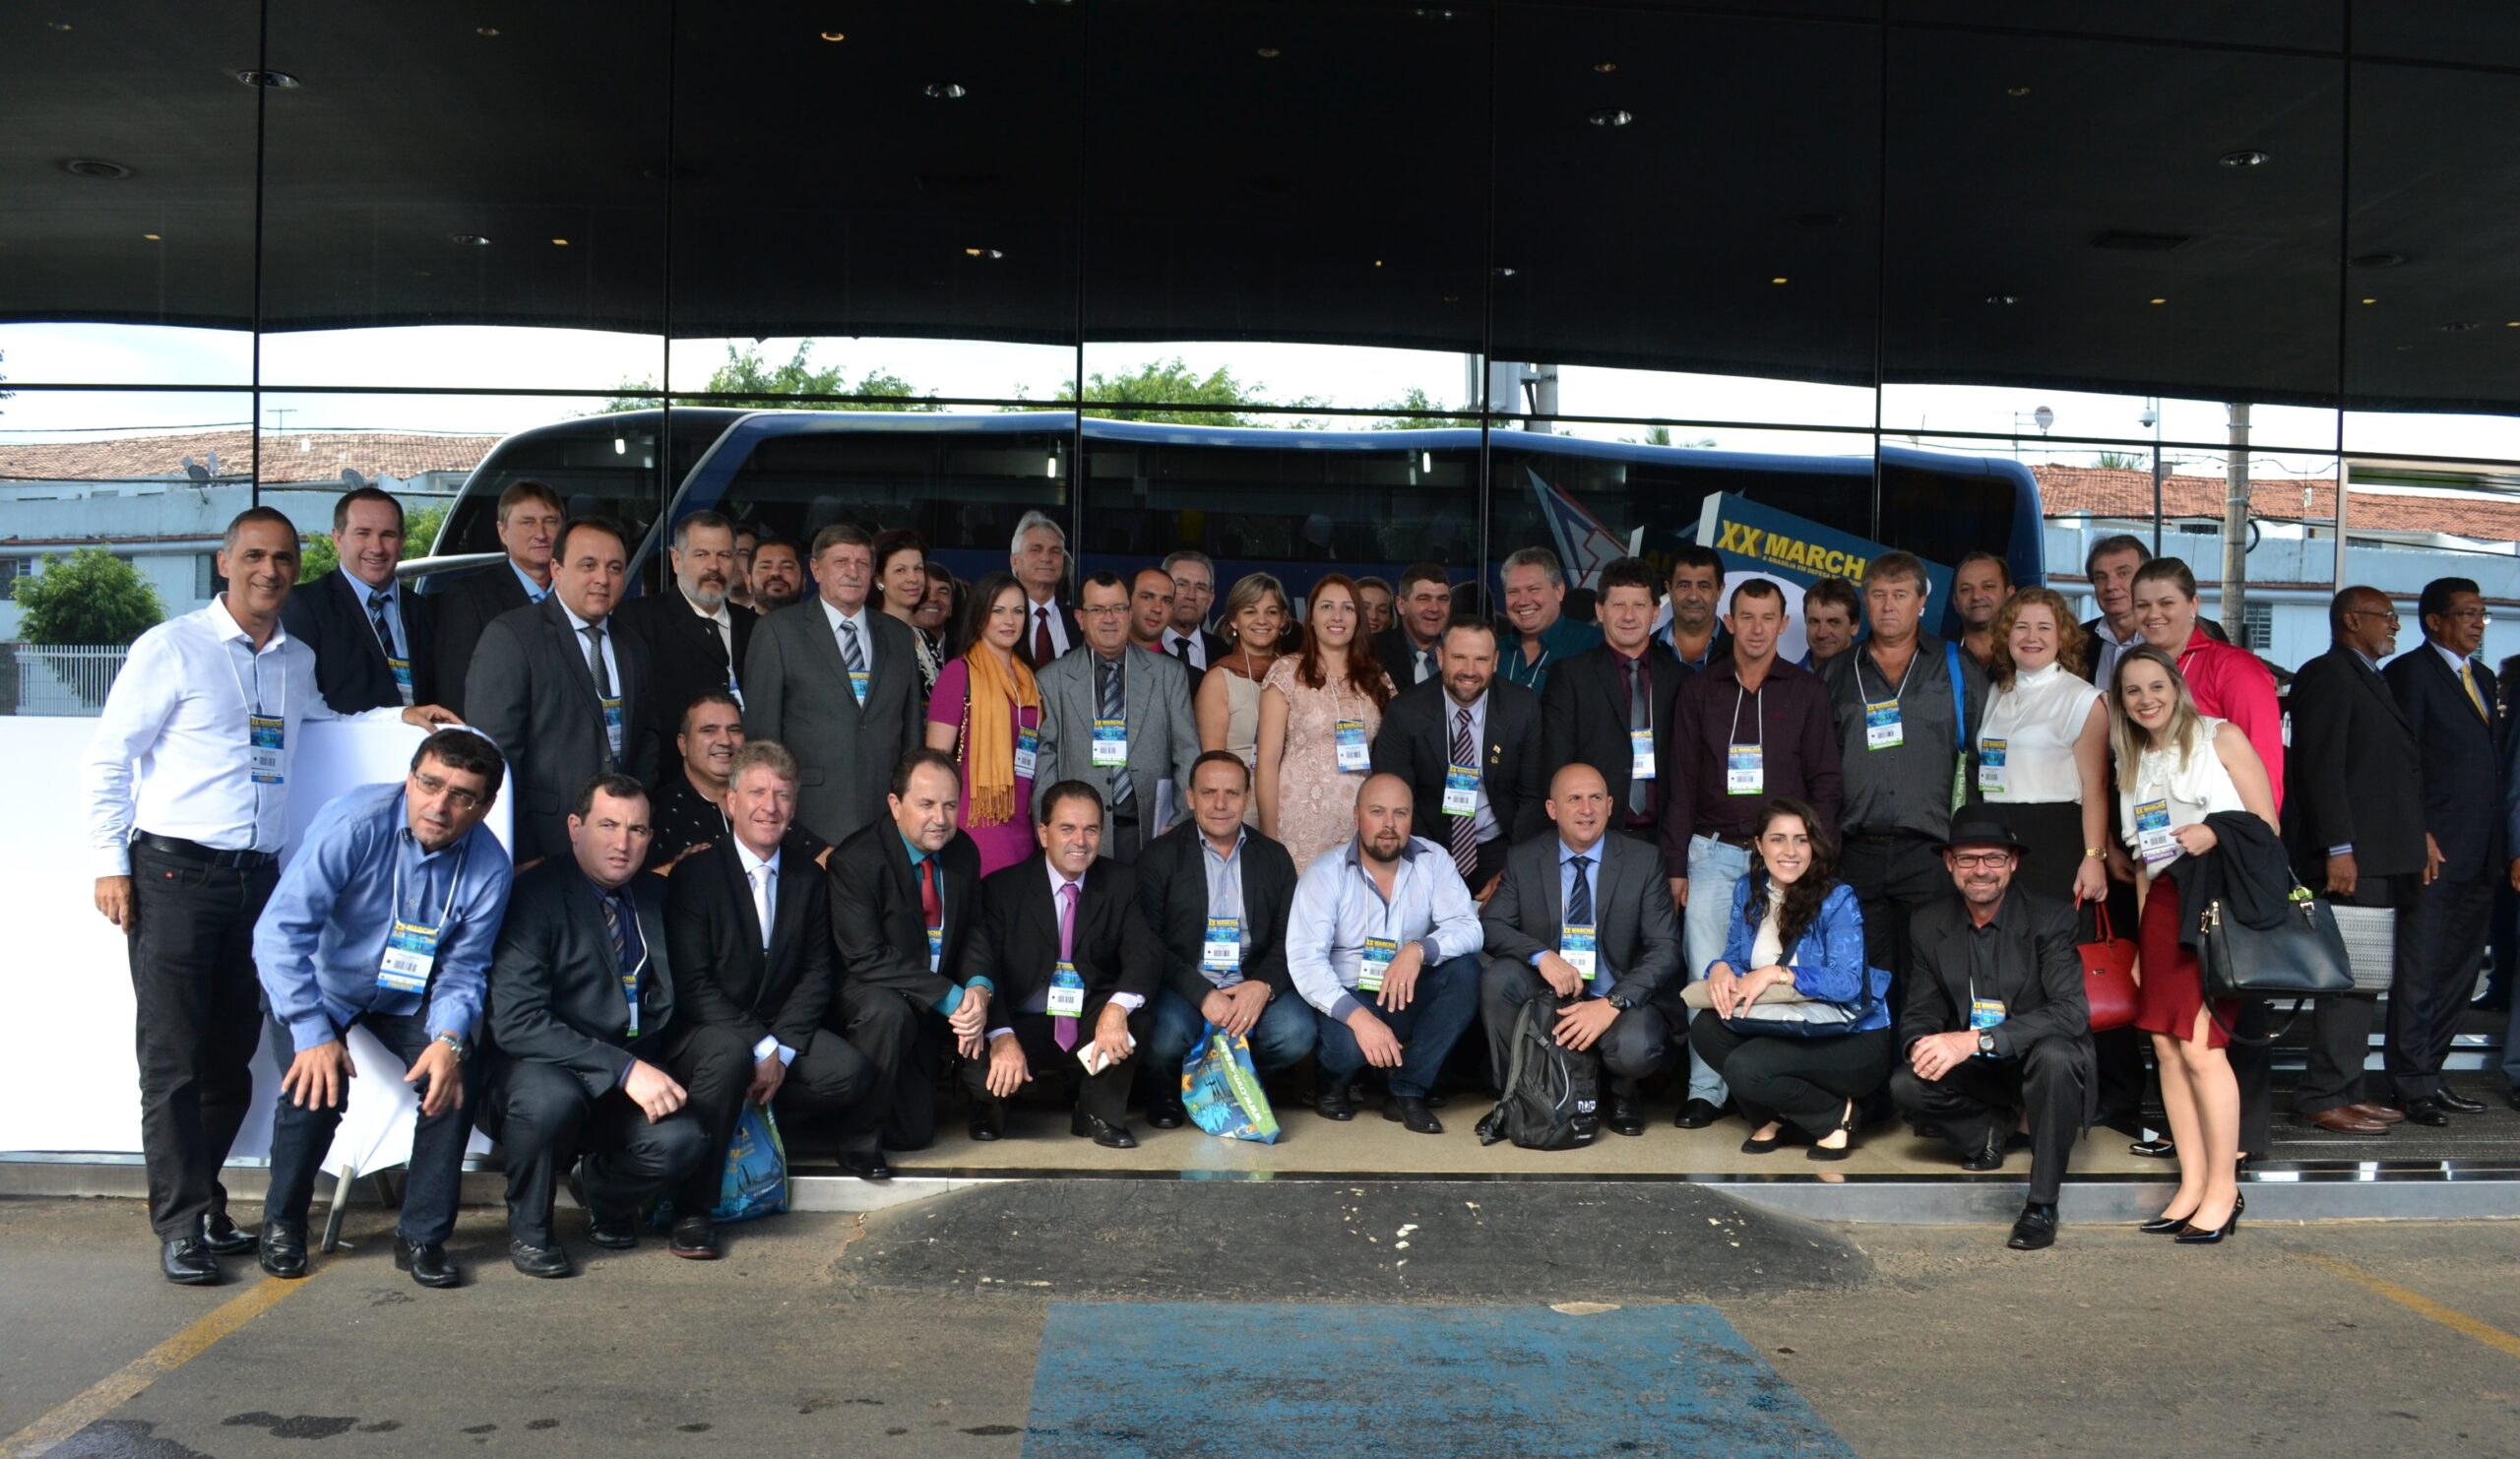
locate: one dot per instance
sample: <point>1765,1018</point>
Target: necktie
<point>1181,650</point>
<point>614,934</point>
<point>931,907</point>
<point>1113,693</point>
<point>761,901</point>
<point>596,663</point>
<point>2468,681</point>
<point>1465,828</point>
<point>1043,649</point>
<point>852,655</point>
<point>1578,902</point>
<point>1639,717</point>
<point>1426,666</point>
<point>1063,1026</point>
<point>376,602</point>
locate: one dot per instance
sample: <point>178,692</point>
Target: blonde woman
<point>1253,618</point>
<point>2042,749</point>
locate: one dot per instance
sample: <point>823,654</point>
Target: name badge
<point>1575,945</point>
<point>1745,770</point>
<point>1640,754</point>
<point>410,950</point>
<point>400,668</point>
<point>1379,951</point>
<point>1990,767</point>
<point>1027,752</point>
<point>265,739</point>
<point>935,948</point>
<point>1461,791</point>
<point>612,725</point>
<point>1221,952</point>
<point>2152,832</point>
<point>1983,1014</point>
<point>858,678</point>
<point>630,990</point>
<point>1881,728</point>
<point>1353,756</point>
<point>1110,742</point>
<point>1067,992</point>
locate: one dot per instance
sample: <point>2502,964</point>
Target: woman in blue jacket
<point>1806,1063</point>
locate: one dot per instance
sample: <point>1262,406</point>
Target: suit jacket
<point>1415,744</point>
<point>530,691</point>
<point>1163,736</point>
<point>555,990</point>
<point>1399,658</point>
<point>330,615</point>
<point>875,916</point>
<point>466,606</point>
<point>1636,929</point>
<point>797,692</point>
<point>2354,775</point>
<point>1216,648</point>
<point>1583,717</point>
<point>1173,892</point>
<point>2037,974</point>
<point>723,975</point>
<point>1016,945</point>
<point>684,650</point>
<point>2460,752</point>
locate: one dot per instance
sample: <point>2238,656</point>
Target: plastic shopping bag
<point>1221,1089</point>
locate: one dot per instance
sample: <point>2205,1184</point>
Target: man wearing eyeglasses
<point>1996,1021</point>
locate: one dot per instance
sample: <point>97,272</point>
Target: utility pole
<point>2235,529</point>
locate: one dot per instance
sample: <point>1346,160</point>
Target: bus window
<point>601,466</point>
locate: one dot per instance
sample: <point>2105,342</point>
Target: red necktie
<point>1042,652</point>
<point>929,904</point>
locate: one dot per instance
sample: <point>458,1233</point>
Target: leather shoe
<point>1166,1114</point>
<point>694,1237</point>
<point>2344,1121</point>
<point>2427,1113</point>
<point>540,1261</point>
<point>1988,1155</point>
<point>426,1261</point>
<point>1697,1114</point>
<point>1624,1118</point>
<point>1102,1132</point>
<point>2377,1113</point>
<point>283,1250</point>
<point>2451,1098</point>
<point>610,1230</point>
<point>187,1261</point>
<point>865,1165</point>
<point>2158,1148</point>
<point>1413,1111</point>
<point>223,1238</point>
<point>1335,1104</point>
<point>2035,1231</point>
<point>988,1121</point>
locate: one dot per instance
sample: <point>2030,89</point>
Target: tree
<point>1165,386</point>
<point>316,557</point>
<point>91,596</point>
<point>1418,410</point>
<point>2122,461</point>
<point>756,386</point>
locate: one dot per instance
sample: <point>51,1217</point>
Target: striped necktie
<point>1465,828</point>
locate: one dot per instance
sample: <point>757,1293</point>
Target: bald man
<point>1585,917</point>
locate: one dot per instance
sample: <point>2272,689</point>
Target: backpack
<point>1551,1093</point>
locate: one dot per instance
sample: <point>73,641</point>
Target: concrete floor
<point>916,1331</point>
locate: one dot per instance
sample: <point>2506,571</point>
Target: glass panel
<point>2290,25</point>
<point>2453,30</point>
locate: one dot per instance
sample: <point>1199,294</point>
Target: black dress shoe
<point>1988,1155</point>
<point>613,1231</point>
<point>1413,1111</point>
<point>283,1250</point>
<point>1335,1104</point>
<point>988,1121</point>
<point>695,1239</point>
<point>540,1261</point>
<point>1102,1132</point>
<point>426,1261</point>
<point>186,1260</point>
<point>1697,1114</point>
<point>1166,1114</point>
<point>2451,1098</point>
<point>223,1238</point>
<point>867,1165</point>
<point>2035,1231</point>
<point>1624,1118</point>
<point>2425,1111</point>
<point>2159,1148</point>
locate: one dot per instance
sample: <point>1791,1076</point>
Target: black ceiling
<point>1141,170</point>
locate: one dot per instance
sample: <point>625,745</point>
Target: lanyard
<point>1758,714</point>
<point>1901,691</point>
<point>453,882</point>
<point>254,701</point>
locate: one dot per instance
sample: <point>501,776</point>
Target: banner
<point>1757,541</point>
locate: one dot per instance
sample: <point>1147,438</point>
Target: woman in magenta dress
<point>986,712</point>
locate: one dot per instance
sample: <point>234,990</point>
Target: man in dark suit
<point>1075,964</point>
<point>1186,638</point>
<point>696,638</point>
<point>905,897</point>
<point>1118,718</point>
<point>1469,748</point>
<point>1216,894</point>
<point>373,643</point>
<point>2448,700</point>
<point>562,694</point>
<point>749,929</point>
<point>1612,707</point>
<point>2354,823</point>
<point>1408,649</point>
<point>530,520</point>
<point>837,682</point>
<point>2109,567</point>
<point>583,1016</point>
<point>1586,916</point>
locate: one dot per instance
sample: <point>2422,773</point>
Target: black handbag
<point>2302,956</point>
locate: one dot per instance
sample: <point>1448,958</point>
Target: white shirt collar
<point>1059,879</point>
<point>576,623</point>
<point>718,618</point>
<point>837,618</point>
<point>2456,660</point>
<point>751,862</point>
<point>224,624</point>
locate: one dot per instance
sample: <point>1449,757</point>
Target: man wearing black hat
<point>1995,1023</point>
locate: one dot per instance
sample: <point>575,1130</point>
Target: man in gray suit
<point>838,685</point>
<point>562,695</point>
<point>1118,719</point>
<point>1587,916</point>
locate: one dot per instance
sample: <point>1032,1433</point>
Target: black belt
<point>1895,838</point>
<point>206,855</point>
<point>1737,843</point>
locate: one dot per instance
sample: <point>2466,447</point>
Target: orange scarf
<point>997,688</point>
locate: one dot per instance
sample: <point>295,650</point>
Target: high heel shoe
<point>2170,1225</point>
<point>2195,1235</point>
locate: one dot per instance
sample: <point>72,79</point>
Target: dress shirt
<point>1905,791</point>
<point>1787,717</point>
<point>1048,610</point>
<point>178,715</point>
<point>2228,683</point>
<point>952,999</point>
<point>765,905</point>
<point>682,818</point>
<point>1130,1001</point>
<point>1562,639</point>
<point>2109,650</point>
<point>2038,717</point>
<point>721,621</point>
<point>364,591</point>
<point>322,935</point>
<point>865,630</point>
<point>534,592</point>
<point>1604,976</point>
<point>1482,820</point>
<point>1225,899</point>
<point>1175,639</point>
<point>1337,907</point>
<point>577,635</point>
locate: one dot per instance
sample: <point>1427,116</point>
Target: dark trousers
<point>879,1030</point>
<point>715,1069</point>
<point>547,1118</point>
<point>1804,1081</point>
<point>1056,1071</point>
<point>2340,1038</point>
<point>2440,942</point>
<point>1894,879</point>
<point>1279,1038</point>
<point>1127,836</point>
<point>299,1137</point>
<point>2117,1054</point>
<point>1439,1013</point>
<point>1976,1104</point>
<point>1636,1046</point>
<point>200,1014</point>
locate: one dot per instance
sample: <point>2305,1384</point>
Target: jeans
<point>1446,999</point>
<point>1282,1039</point>
<point>1716,869</point>
<point>300,1137</point>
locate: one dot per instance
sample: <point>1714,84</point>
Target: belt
<point>1895,838</point>
<point>1737,843</point>
<point>206,855</point>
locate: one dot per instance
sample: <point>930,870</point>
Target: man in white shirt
<point>1038,558</point>
<point>187,786</point>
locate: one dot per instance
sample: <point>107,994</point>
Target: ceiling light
<point>1454,298</point>
<point>103,172</point>
<point>560,242</point>
<point>2370,301</point>
<point>835,37</point>
<point>983,253</point>
<point>1605,67</point>
<point>1615,117</point>
<point>2245,157</point>
<point>2016,91</point>
<point>275,81</point>
<point>485,30</point>
<point>1505,271</point>
<point>1780,279</point>
<point>469,240</point>
<point>1270,52</point>
<point>56,24</point>
<point>1993,298</point>
<point>1377,262</point>
<point>2160,301</point>
<point>2512,324</point>
<point>945,91</point>
<point>154,237</point>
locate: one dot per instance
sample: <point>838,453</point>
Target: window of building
<point>205,575</point>
<point>10,569</point>
<point>2257,626</point>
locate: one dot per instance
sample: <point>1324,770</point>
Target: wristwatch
<point>1986,1043</point>
<point>454,1046</point>
<point>1620,1001</point>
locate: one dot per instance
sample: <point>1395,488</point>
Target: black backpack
<point>1551,1099</point>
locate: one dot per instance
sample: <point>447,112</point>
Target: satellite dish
<point>351,479</point>
<point>2044,417</point>
<point>200,474</point>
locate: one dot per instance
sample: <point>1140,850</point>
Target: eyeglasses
<point>2390,615</point>
<point>1972,861</point>
<point>1105,610</point>
<point>2468,616</point>
<point>461,800</point>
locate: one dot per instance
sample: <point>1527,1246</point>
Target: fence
<point>62,679</point>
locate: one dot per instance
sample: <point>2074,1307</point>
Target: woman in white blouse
<point>2042,749</point>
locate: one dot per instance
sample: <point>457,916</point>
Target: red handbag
<point>2108,975</point>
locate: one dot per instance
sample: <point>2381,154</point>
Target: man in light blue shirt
<point>386,920</point>
<point>1387,918</point>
